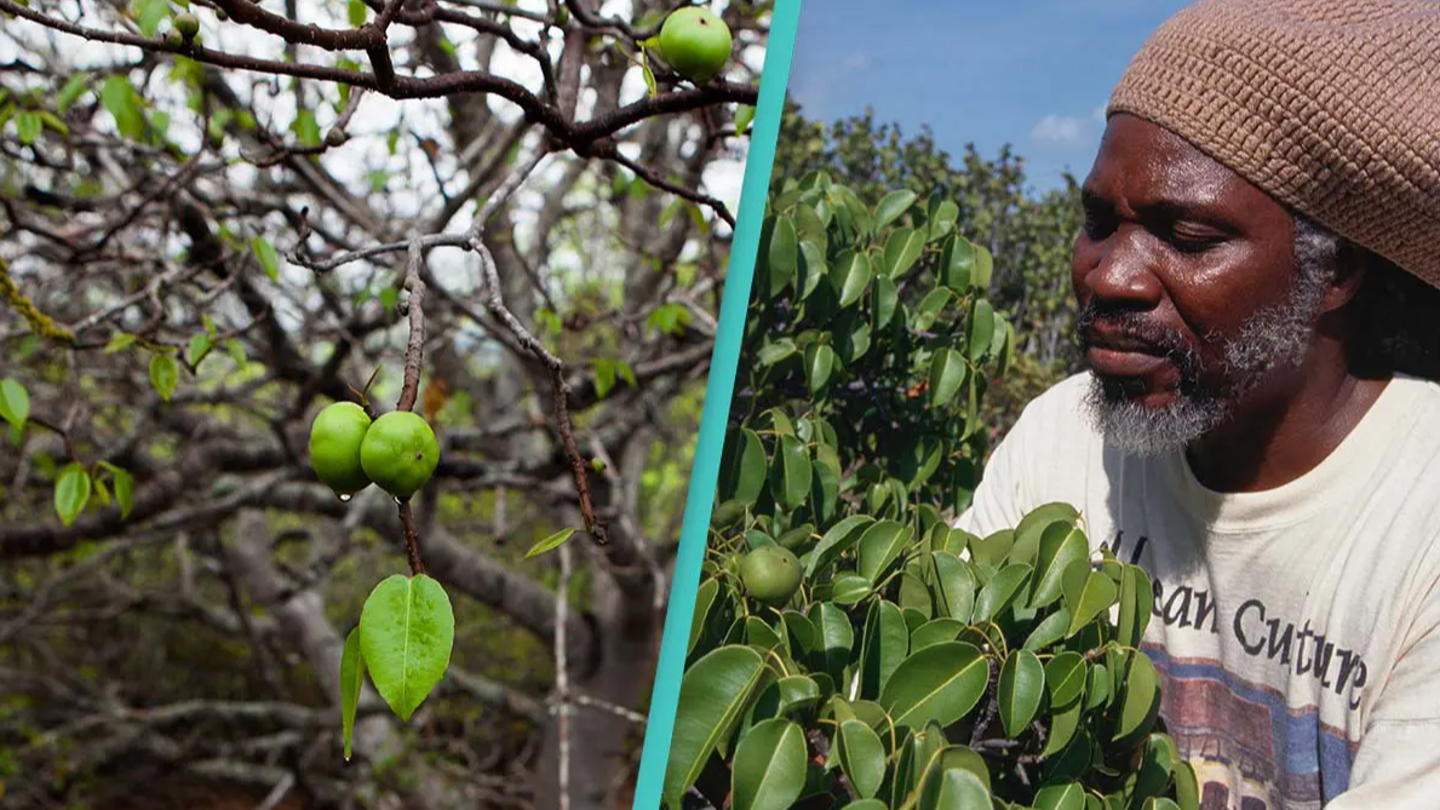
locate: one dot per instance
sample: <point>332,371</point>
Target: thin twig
<point>414,308</point>
<point>412,540</point>
<point>562,676</point>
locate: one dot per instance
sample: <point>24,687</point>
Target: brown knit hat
<point>1330,106</point>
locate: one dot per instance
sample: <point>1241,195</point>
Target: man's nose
<point>1122,272</point>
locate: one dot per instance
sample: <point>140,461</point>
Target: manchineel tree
<point>329,326</point>
<point>850,648</point>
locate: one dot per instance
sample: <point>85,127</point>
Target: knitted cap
<point>1330,106</point>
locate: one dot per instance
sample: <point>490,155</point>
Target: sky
<point>1034,74</point>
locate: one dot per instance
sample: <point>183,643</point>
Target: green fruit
<point>400,453</point>
<point>173,38</point>
<point>771,574</point>
<point>695,42</point>
<point>335,439</point>
<point>187,24</point>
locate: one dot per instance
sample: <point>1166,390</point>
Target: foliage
<point>1028,233</point>
<point>915,665</point>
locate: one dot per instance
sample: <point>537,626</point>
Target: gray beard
<point>1274,338</point>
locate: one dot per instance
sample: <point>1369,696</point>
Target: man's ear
<point>1351,262</point>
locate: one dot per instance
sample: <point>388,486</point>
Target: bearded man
<point>1259,426</point>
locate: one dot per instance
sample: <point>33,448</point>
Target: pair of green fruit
<point>397,452</point>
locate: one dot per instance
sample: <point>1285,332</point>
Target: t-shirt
<point>1297,630</point>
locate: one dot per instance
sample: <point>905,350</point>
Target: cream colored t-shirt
<point>1297,629</point>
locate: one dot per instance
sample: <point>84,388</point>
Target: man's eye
<point>1189,242</point>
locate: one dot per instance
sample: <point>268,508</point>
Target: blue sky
<point>1034,73</point>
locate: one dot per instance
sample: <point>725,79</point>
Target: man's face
<point>1186,281</point>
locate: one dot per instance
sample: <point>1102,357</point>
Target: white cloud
<point>856,61</point>
<point>1060,130</point>
<point>1100,113</point>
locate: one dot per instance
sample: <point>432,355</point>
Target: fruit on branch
<point>696,43</point>
<point>187,24</point>
<point>400,453</point>
<point>173,38</point>
<point>335,439</point>
<point>771,574</point>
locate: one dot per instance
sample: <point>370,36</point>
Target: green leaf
<point>789,694</point>
<point>930,308</point>
<point>982,329</point>
<point>947,373</point>
<point>76,85</point>
<point>769,767</point>
<point>957,263</point>
<point>237,352</point>
<point>784,255</point>
<point>884,303</point>
<point>1032,527</point>
<point>885,644</point>
<point>306,128</point>
<point>834,637</point>
<point>1065,678</point>
<point>892,205</point>
<point>1000,592</point>
<point>407,630</point>
<point>744,115</point>
<point>714,693</point>
<point>954,585</point>
<point>164,375</point>
<point>742,468</point>
<point>881,545</point>
<point>1022,685</point>
<point>1060,545</point>
<point>72,492</point>
<point>550,543</point>
<point>1064,722</point>
<point>826,489</point>
<point>14,402</point>
<point>1136,599</point>
<point>149,14</point>
<point>1141,695</point>
<point>358,11</point>
<point>266,255</point>
<point>28,126</point>
<point>124,489</point>
<point>352,680</point>
<point>836,541</point>
<point>943,220</point>
<point>984,265</point>
<point>902,248</point>
<point>648,74</point>
<point>862,757</point>
<point>119,342</point>
<point>124,104</point>
<point>1069,796</point>
<point>1187,787</point>
<point>790,473</point>
<point>957,789</point>
<point>851,276</point>
<point>1157,763</point>
<point>941,683</point>
<point>775,351</point>
<point>849,589</point>
<point>1051,629</point>
<point>819,362</point>
<point>1087,594</point>
<point>197,350</point>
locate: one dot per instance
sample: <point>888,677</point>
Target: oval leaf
<point>1022,685</point>
<point>940,683</point>
<point>819,362</point>
<point>769,767</point>
<point>784,250</point>
<point>947,373</point>
<point>407,629</point>
<point>1087,594</point>
<point>713,694</point>
<point>1060,545</point>
<point>352,680</point>
<point>1000,591</point>
<point>892,205</point>
<point>1065,676</point>
<point>862,757</point>
<point>1141,695</point>
<point>14,402</point>
<point>881,545</point>
<point>72,492</point>
<point>1069,796</point>
<point>852,277</point>
<point>790,473</point>
<point>164,375</point>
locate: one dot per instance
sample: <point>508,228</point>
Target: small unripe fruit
<point>400,453</point>
<point>696,43</point>
<point>187,24</point>
<point>771,574</point>
<point>173,38</point>
<point>335,439</point>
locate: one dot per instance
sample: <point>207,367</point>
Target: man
<point>1258,427</point>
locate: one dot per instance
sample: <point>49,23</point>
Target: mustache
<point>1132,325</point>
